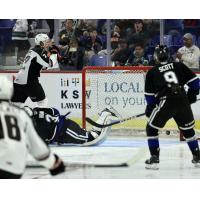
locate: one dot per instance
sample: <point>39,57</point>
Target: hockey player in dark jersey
<point>55,128</point>
<point>166,98</point>
<point>26,83</point>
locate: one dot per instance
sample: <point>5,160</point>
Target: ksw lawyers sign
<point>64,92</point>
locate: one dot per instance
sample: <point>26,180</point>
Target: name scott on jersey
<point>166,67</point>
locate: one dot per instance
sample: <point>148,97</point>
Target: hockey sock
<point>154,146</point>
<point>194,147</point>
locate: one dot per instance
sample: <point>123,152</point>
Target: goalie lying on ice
<point>55,128</point>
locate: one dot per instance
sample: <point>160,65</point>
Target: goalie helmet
<point>161,53</point>
<point>41,39</point>
<point>6,88</point>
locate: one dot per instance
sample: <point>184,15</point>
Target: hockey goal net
<point>119,87</point>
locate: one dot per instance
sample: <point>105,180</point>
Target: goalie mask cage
<point>119,87</point>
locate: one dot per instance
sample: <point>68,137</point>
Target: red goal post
<point>120,87</point>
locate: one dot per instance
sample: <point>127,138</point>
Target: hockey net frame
<point>105,69</point>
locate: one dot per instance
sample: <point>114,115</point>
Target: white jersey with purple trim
<point>17,138</point>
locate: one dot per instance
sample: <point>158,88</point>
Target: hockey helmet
<point>162,53</point>
<point>6,88</point>
<point>41,39</point>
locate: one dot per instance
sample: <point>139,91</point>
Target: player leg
<point>185,122</point>
<point>99,134</point>
<point>19,95</point>
<point>70,132</point>
<point>158,118</point>
<point>37,94</point>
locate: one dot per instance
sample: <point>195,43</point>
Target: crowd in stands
<point>83,42</point>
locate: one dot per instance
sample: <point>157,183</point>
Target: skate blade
<point>152,166</point>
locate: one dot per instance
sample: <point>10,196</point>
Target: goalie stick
<point>90,121</point>
<point>112,123</point>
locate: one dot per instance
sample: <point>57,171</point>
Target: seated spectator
<point>140,35</point>
<point>20,39</point>
<point>89,45</point>
<point>189,54</point>
<point>115,37</point>
<point>121,54</point>
<point>137,57</point>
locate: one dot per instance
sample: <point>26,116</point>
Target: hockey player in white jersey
<point>26,83</point>
<point>18,137</point>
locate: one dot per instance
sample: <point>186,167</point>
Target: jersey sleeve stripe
<point>151,94</point>
<point>192,79</point>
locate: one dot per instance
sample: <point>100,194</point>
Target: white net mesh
<point>121,88</point>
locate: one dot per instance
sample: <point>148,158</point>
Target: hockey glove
<point>149,109</point>
<point>58,166</point>
<point>54,49</point>
<point>192,96</point>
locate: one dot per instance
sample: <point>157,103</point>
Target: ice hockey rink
<point>175,160</point>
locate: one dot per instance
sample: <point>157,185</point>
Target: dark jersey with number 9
<point>160,79</point>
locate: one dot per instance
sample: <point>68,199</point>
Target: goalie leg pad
<point>100,134</point>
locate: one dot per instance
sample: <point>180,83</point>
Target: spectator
<point>126,27</point>
<point>115,37</point>
<point>139,36</point>
<point>189,54</point>
<point>68,40</point>
<point>93,43</point>
<point>20,39</point>
<point>121,54</point>
<point>153,26</point>
<point>89,45</point>
<point>137,57</point>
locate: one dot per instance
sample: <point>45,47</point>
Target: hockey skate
<point>100,134</point>
<point>196,161</point>
<point>152,163</point>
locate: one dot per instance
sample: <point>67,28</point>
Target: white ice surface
<point>175,160</point>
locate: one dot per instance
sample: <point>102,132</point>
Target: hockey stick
<point>86,165</point>
<point>112,123</point>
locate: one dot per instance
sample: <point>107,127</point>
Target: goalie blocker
<point>55,128</point>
